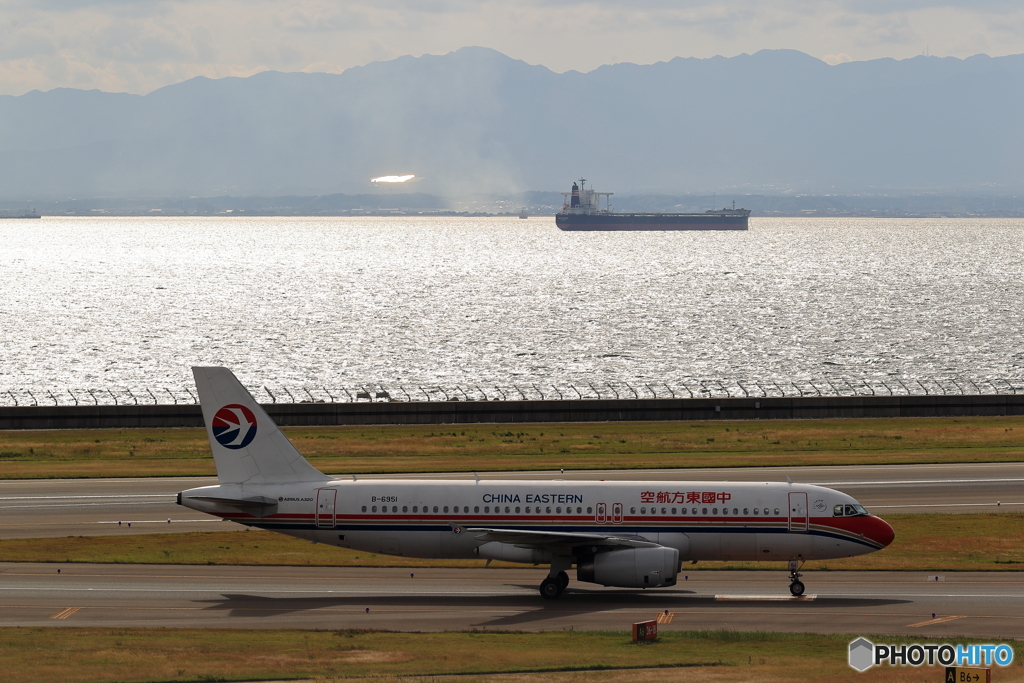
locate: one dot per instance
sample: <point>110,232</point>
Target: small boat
<point>523,214</point>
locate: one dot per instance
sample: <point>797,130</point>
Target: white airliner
<point>630,534</point>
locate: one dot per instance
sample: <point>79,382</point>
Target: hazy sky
<point>140,45</point>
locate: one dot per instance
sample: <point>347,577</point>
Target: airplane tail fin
<point>247,446</point>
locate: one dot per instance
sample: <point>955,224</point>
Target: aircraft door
<point>325,501</point>
<point>616,513</point>
<point>797,511</point>
<point>602,513</point>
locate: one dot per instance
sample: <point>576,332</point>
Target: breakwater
<point>527,411</point>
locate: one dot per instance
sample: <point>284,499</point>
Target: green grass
<point>92,655</point>
<point>465,448</point>
<point>973,542</point>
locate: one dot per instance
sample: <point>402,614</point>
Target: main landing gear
<point>796,586</point>
<point>552,587</point>
<point>557,579</point>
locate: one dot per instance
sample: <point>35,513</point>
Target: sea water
<point>480,302</point>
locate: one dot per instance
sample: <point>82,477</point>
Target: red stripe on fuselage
<point>869,527</point>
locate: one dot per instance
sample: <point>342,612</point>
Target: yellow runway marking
<point>666,617</point>
<point>65,613</point>
<point>936,621</point>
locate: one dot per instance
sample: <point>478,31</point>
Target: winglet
<point>247,446</point>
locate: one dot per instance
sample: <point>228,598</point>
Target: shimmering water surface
<point>134,302</point>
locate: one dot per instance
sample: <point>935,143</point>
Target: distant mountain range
<point>475,122</point>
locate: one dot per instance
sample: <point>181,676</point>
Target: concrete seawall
<point>517,412</point>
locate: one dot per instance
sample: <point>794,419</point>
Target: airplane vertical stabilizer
<point>247,446</point>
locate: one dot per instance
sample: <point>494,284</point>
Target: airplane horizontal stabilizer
<point>255,501</point>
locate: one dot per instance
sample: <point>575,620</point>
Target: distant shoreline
<point>484,214</point>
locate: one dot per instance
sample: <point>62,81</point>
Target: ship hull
<point>650,221</point>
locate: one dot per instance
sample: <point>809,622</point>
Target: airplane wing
<point>535,539</point>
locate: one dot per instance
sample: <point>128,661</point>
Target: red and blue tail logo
<point>234,426</point>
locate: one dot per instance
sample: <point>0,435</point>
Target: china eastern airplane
<point>631,534</point>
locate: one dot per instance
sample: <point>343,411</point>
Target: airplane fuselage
<point>435,519</point>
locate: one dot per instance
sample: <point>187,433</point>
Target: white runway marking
<point>252,592</point>
<point>125,480</point>
<point>935,621</point>
<point>914,481</point>
<point>83,505</point>
<point>158,521</point>
<point>758,598</point>
<point>946,505</point>
<point>170,496</point>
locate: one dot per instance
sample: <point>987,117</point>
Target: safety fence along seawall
<point>693,400</point>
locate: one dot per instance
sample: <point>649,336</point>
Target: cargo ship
<point>582,210</point>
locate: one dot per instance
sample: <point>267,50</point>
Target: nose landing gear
<point>796,586</point>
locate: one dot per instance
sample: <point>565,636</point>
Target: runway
<point>91,507</point>
<point>983,605</point>
<point>41,508</point>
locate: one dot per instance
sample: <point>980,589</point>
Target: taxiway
<point>983,605</point>
<point>90,507</point>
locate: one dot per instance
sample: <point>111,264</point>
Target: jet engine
<point>631,568</point>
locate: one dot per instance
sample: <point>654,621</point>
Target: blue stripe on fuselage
<point>618,530</point>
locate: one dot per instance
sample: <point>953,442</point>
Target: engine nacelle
<point>632,568</point>
<point>510,553</point>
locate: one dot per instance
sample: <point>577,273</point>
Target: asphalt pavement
<point>92,507</point>
<point>983,604</point>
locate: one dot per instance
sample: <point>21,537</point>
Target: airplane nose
<point>879,531</point>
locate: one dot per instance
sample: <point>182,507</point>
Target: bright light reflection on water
<point>347,301</point>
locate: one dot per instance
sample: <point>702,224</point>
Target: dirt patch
<point>373,657</point>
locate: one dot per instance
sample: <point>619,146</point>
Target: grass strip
<point>465,448</point>
<point>927,542</point>
<point>95,655</point>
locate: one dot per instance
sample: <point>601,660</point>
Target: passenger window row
<point>849,510</point>
<point>839,510</point>
<point>703,511</point>
<point>530,510</point>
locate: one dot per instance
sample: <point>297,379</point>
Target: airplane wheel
<point>796,588</point>
<point>563,579</point>
<point>550,588</point>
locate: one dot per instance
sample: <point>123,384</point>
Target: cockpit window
<point>848,510</point>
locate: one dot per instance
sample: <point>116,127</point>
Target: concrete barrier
<point>514,412</point>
